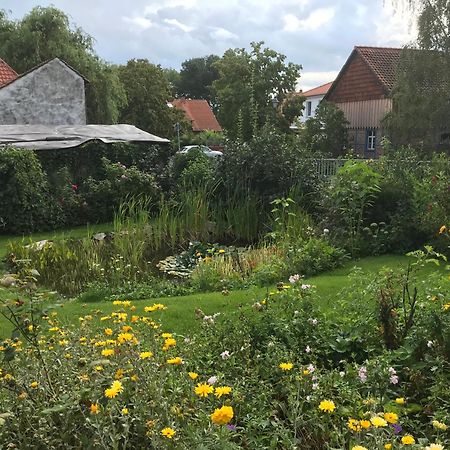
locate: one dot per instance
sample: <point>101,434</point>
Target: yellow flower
<point>439,425</point>
<point>22,396</point>
<point>119,374</point>
<point>145,355</point>
<point>203,389</point>
<point>306,372</point>
<point>166,335</point>
<point>134,377</point>
<point>193,375</point>
<point>134,319</point>
<point>223,415</point>
<point>388,446</point>
<point>116,388</point>
<point>124,337</point>
<point>378,422</point>
<point>167,432</point>
<point>443,229</point>
<point>108,331</point>
<point>354,425</point>
<point>407,439</point>
<point>175,361</point>
<point>327,406</point>
<point>155,307</point>
<point>34,384</point>
<point>125,411</point>
<point>365,424</point>
<point>222,390</point>
<point>126,328</point>
<point>286,366</point>
<point>94,408</point>
<point>446,307</point>
<point>168,343</point>
<point>107,352</point>
<point>434,447</point>
<point>391,417</point>
<point>98,368</point>
<point>400,401</point>
<point>359,447</point>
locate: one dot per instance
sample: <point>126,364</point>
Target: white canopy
<point>47,137</point>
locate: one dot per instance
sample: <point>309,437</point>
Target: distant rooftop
<point>7,74</point>
<point>320,90</point>
<point>199,113</point>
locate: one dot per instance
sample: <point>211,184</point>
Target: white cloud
<point>395,27</point>
<point>310,80</point>
<point>223,34</point>
<point>139,22</point>
<point>177,24</point>
<point>314,21</point>
<point>163,4</point>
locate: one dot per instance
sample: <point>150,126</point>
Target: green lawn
<point>180,315</point>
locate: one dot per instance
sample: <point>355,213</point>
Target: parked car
<point>206,150</point>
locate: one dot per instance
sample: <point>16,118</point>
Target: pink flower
<point>362,374</point>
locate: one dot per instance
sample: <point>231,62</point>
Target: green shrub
<point>26,204</point>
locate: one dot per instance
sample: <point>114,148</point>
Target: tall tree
<point>148,92</point>
<point>248,84</point>
<point>46,33</point>
<point>196,78</point>
<point>421,113</point>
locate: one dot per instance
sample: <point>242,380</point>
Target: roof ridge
<point>380,48</point>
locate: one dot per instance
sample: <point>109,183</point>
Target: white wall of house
<point>309,111</point>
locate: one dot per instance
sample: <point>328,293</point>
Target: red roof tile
<point>383,61</point>
<point>7,74</point>
<point>320,90</point>
<point>199,113</point>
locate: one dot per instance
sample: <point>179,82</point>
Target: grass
<point>180,314</point>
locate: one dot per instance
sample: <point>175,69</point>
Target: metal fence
<point>328,167</point>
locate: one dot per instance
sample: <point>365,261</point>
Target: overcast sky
<point>318,34</point>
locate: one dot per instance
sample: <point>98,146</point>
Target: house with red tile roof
<point>312,99</point>
<point>198,113</point>
<point>363,91</point>
<point>7,74</point>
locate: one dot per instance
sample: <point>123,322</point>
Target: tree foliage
<point>247,84</point>
<point>46,33</point>
<point>326,132</point>
<point>148,92</point>
<point>196,78</point>
<point>421,112</point>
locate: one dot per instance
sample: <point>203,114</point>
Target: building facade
<point>312,99</point>
<point>51,94</point>
<point>363,91</point>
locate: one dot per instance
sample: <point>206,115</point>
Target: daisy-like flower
<point>407,439</point>
<point>203,389</point>
<point>193,375</point>
<point>378,422</point>
<point>391,417</point>
<point>327,406</point>
<point>168,432</point>
<point>108,352</point>
<point>175,361</point>
<point>400,400</point>
<point>222,390</point>
<point>145,355</point>
<point>223,415</point>
<point>94,408</point>
<point>439,425</point>
<point>286,366</point>
<point>434,447</point>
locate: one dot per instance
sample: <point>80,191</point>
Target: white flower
<point>393,379</point>
<point>311,368</point>
<point>308,349</point>
<point>312,321</point>
<point>296,313</point>
<point>306,286</point>
<point>212,380</point>
<point>362,374</point>
<point>294,278</point>
<point>315,386</point>
<point>225,354</point>
<point>430,344</point>
<point>326,231</point>
<point>342,374</point>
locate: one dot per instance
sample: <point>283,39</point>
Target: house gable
<point>356,82</point>
<point>199,113</point>
<point>50,94</point>
<point>7,74</point>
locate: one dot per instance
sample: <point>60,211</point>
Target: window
<point>308,109</point>
<point>371,139</point>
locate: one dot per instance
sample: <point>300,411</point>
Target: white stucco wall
<point>315,100</point>
<point>53,94</point>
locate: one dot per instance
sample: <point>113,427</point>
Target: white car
<point>206,150</point>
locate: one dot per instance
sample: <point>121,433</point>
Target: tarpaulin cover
<point>46,137</point>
